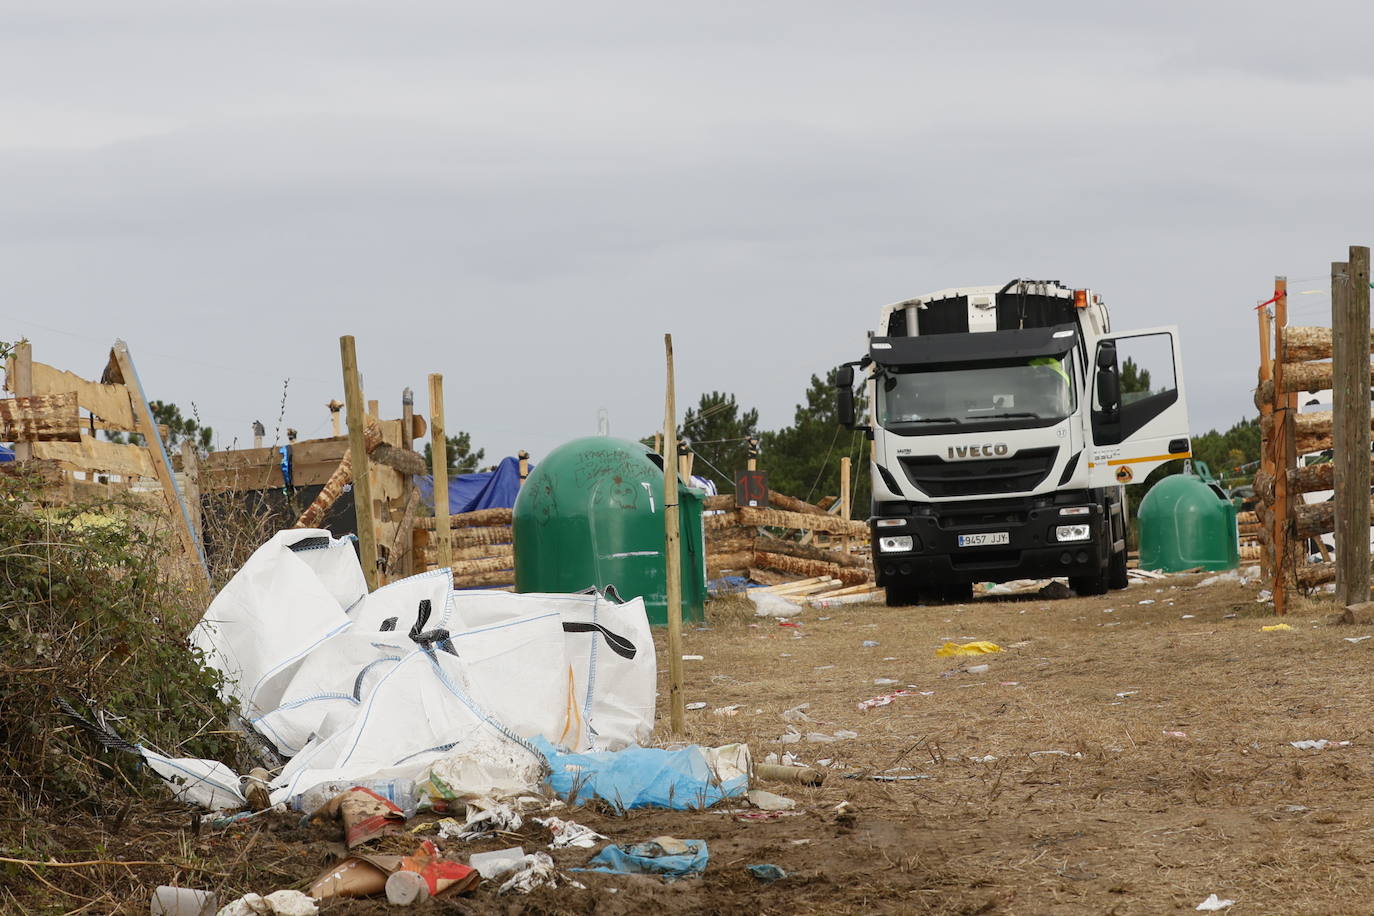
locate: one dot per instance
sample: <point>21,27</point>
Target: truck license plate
<point>989,539</point>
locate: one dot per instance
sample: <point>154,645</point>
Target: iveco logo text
<point>991,450</point>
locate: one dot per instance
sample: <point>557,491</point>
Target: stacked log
<point>771,546</point>
<point>482,547</point>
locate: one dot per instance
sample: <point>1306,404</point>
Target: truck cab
<point>1005,424</point>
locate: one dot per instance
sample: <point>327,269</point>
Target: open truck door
<point>1139,412</point>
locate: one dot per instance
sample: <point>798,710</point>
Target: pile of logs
<point>781,544</point>
<point>483,549</point>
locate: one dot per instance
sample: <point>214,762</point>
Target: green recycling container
<point>591,514</point>
<point>1186,522</point>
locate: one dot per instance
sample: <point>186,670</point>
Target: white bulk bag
<point>276,609</point>
<point>395,607</point>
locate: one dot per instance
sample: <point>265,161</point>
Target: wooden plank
<point>357,450</point>
<point>405,565</point>
<point>1350,362</point>
<point>40,418</point>
<point>110,403</point>
<point>190,467</point>
<point>438,454</point>
<point>778,519</point>
<point>146,425</point>
<point>672,555</point>
<point>1282,442</point>
<point>98,457</point>
<point>400,555</point>
<point>766,577</point>
<point>20,376</point>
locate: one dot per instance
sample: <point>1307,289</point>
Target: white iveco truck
<point>1006,422</point>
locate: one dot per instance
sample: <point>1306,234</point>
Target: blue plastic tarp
<point>485,490</point>
<point>6,454</point>
<point>639,777</point>
<point>651,859</point>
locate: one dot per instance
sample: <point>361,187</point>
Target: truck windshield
<point>1012,393</point>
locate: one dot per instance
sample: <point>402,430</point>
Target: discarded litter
<point>1213,903</point>
<point>884,700</point>
<point>1169,734</point>
<point>1275,628</point>
<point>533,871</point>
<point>1077,755</point>
<point>978,669</point>
<point>641,777</point>
<point>726,710</point>
<point>885,681</point>
<point>695,706</point>
<point>981,647</point>
<point>569,833</point>
<point>767,873</point>
<point>1318,744</point>
<point>277,903</point>
<point>797,714</point>
<point>665,855</point>
<point>182,901</point>
<point>366,875</point>
<point>767,801</point>
<point>788,773</point>
<point>870,643</point>
<point>693,658</point>
<point>767,604</point>
<point>1356,638</point>
<point>985,759</point>
<point>492,865</point>
<point>1146,601</point>
<point>404,888</point>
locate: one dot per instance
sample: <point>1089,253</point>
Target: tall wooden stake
<point>672,554</point>
<point>405,564</point>
<point>524,466</point>
<point>21,383</point>
<point>357,448</point>
<point>334,408</point>
<point>1350,390</point>
<point>1266,374</point>
<point>190,466</point>
<point>844,499</point>
<point>438,451</point>
<point>1283,441</point>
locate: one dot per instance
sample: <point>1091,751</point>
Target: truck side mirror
<point>844,396</point>
<point>1106,354</point>
<point>1108,390</point>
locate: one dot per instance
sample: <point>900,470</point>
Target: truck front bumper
<point>1033,548</point>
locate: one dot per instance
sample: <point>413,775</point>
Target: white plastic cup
<point>182,901</point>
<point>404,888</point>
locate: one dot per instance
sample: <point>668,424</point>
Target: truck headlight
<point>1072,533</point>
<point>900,544</point>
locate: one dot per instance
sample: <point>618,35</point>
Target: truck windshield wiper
<point>934,420</point>
<point>998,416</point>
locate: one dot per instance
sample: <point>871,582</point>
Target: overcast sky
<point>526,196</point>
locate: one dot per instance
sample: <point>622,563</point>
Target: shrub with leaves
<point>94,610</point>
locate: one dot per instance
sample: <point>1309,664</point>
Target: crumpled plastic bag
<point>640,777</point>
<point>982,647</point>
<point>569,833</point>
<point>535,870</point>
<point>767,604</point>
<point>665,855</point>
<point>277,903</point>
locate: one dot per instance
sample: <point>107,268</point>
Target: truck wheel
<point>902,594</point>
<point>958,593</point>
<point>1083,586</point>
<point>1117,577</point>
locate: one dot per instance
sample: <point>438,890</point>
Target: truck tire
<point>1084,586</point>
<point>1117,576</point>
<point>958,593</point>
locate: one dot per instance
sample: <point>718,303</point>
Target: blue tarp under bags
<point>686,857</point>
<point>6,454</point>
<point>639,777</point>
<point>485,490</point>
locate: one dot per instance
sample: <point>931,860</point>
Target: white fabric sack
<point>395,607</point>
<point>609,646</point>
<point>276,609</point>
<point>416,712</point>
<point>332,680</point>
<point>518,671</point>
<point>206,783</point>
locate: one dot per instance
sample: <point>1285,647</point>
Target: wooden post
<point>190,466</point>
<point>658,443</point>
<point>357,449</point>
<point>438,451</point>
<point>21,383</point>
<point>162,465</point>
<point>259,432</point>
<point>334,407</point>
<point>1350,427</point>
<point>1266,374</point>
<point>524,457</point>
<point>402,554</point>
<point>844,499</point>
<point>671,553</point>
<point>1282,441</point>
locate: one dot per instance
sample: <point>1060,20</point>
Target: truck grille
<point>987,477</point>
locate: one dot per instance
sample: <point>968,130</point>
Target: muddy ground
<point>1124,754</point>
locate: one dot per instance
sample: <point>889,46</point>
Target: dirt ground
<point>1123,754</point>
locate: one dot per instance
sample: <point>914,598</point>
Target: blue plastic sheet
<point>469,492</point>
<point>767,873</point>
<point>6,454</point>
<point>650,859</point>
<point>639,777</point>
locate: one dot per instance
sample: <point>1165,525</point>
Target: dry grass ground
<point>1171,775</point>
